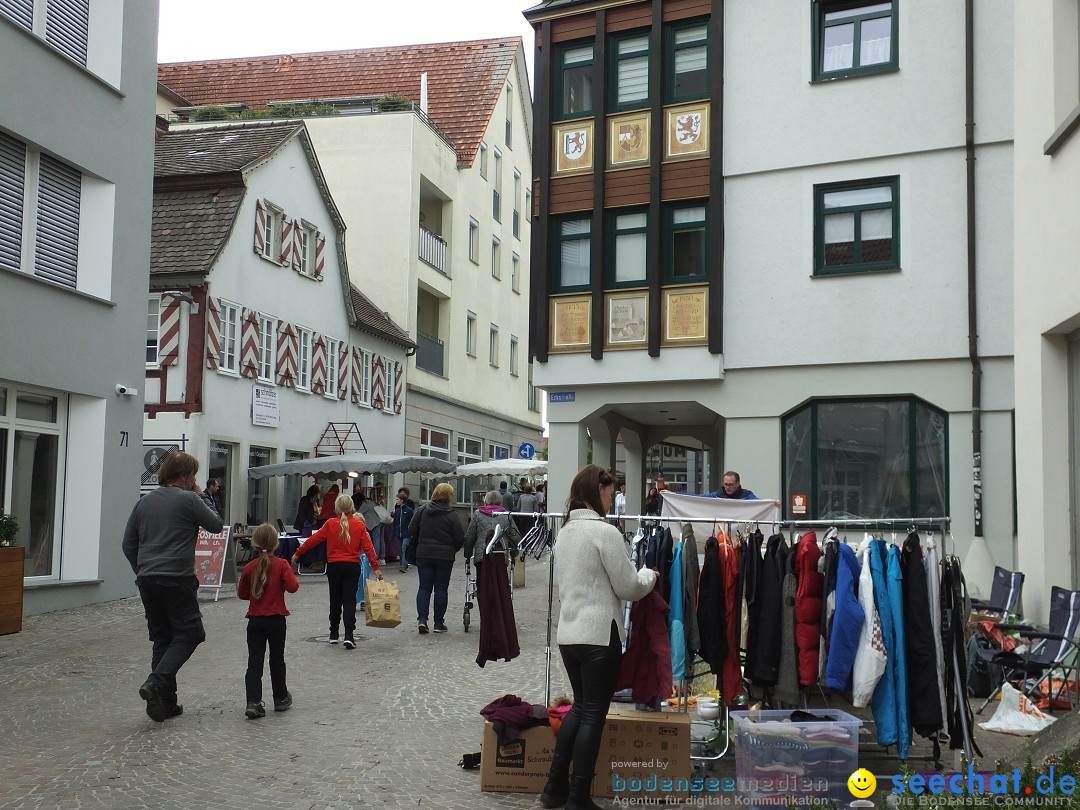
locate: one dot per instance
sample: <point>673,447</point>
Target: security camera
<point>125,391</point>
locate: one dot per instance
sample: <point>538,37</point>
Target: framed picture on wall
<point>627,319</point>
<point>573,142</point>
<point>628,139</point>
<point>685,315</point>
<point>571,323</point>
<point>687,131</point>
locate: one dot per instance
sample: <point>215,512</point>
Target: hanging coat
<point>663,561</point>
<point>749,570</point>
<point>827,564</point>
<point>895,583</point>
<point>810,584</point>
<point>731,677</point>
<point>498,628</point>
<point>711,612</point>
<point>675,618</point>
<point>691,571</point>
<point>646,664</point>
<point>933,589</point>
<point>787,680</point>
<point>763,637</point>
<point>870,657</point>
<point>923,699</point>
<point>847,622</point>
<point>884,700</point>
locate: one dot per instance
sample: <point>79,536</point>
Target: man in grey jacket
<point>159,543</point>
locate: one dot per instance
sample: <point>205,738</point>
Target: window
<point>513,356</point>
<point>857,226</point>
<point>572,248</point>
<point>332,348</point>
<point>293,483</point>
<point>303,376</point>
<point>498,452</point>
<point>474,241</point>
<point>228,360</point>
<point>509,116</point>
<point>867,458</point>
<point>469,451</point>
<point>515,273</point>
<point>308,240</point>
<point>534,394</point>
<point>853,38</point>
<point>688,49</point>
<point>66,24</point>
<point>628,241</point>
<point>496,257</point>
<point>496,193</point>
<point>434,443</point>
<point>493,346</point>
<point>630,72</point>
<point>517,199</point>
<point>470,334</point>
<point>153,327</point>
<point>267,329</point>
<point>528,203</point>
<point>258,510</point>
<point>365,378</point>
<point>270,226</point>
<point>685,244</point>
<point>389,369</point>
<point>483,160</point>
<point>574,82</point>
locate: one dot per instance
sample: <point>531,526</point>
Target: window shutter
<point>169,334</point>
<point>287,349</point>
<point>399,387</point>
<point>249,344</point>
<point>357,375</point>
<point>287,229</point>
<point>318,365</point>
<point>67,23</point>
<point>378,381</point>
<point>320,256</point>
<point>213,333</point>
<point>12,190</point>
<point>260,228</point>
<point>21,11</point>
<point>343,370</point>
<point>59,195</point>
<point>298,247</point>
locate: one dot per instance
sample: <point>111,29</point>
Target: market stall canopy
<point>360,463</point>
<point>499,466</point>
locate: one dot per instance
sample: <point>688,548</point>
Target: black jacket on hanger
<point>763,639</point>
<point>667,553</point>
<point>711,610</point>
<point>749,571</point>
<point>828,569</point>
<point>924,706</point>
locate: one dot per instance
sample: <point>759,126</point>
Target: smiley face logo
<point>862,783</point>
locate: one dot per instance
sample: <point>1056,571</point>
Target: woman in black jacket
<point>305,510</point>
<point>436,531</point>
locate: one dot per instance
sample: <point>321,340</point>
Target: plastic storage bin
<point>778,759</point>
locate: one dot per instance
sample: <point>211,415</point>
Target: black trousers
<point>342,578</point>
<point>175,626</point>
<point>593,672</point>
<point>263,632</point>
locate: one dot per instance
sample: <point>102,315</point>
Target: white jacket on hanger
<point>870,656</point>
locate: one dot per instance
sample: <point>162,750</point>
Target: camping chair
<point>1050,656</point>
<point>1005,593</point>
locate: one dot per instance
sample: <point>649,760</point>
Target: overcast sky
<point>217,29</point>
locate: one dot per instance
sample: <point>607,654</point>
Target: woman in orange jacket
<point>346,538</point>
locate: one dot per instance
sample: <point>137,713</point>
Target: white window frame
<point>389,368</point>
<point>495,446</point>
<point>483,160</point>
<point>303,360</point>
<point>470,334</point>
<point>267,349</point>
<point>470,449</point>
<point>153,331</point>
<point>509,136</point>
<point>273,217</point>
<point>309,239</point>
<point>513,356</point>
<point>229,358</point>
<point>496,193</point>
<point>517,199</point>
<point>474,241</point>
<point>515,272</point>
<point>330,390</point>
<point>493,346</point>
<point>365,378</point>
<point>496,257</point>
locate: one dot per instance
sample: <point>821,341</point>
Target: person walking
<point>346,539</point>
<point>436,530</point>
<point>159,544</point>
<point>528,502</point>
<point>403,512</point>
<point>594,578</point>
<point>263,583</point>
<point>484,520</point>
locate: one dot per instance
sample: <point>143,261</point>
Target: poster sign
<point>211,553</point>
<point>798,504</point>
<point>264,409</point>
<point>685,311</point>
<point>571,323</point>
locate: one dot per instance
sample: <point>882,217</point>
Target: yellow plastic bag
<point>382,608</point>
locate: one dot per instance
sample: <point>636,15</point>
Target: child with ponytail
<point>346,539</point>
<point>263,582</point>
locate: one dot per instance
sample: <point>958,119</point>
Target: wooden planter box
<point>11,588</point>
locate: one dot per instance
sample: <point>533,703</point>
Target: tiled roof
<point>372,319</point>
<point>465,80</point>
<point>190,226</point>
<point>217,150</point>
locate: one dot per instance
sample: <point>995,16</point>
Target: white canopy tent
<point>359,463</point>
<point>502,466</point>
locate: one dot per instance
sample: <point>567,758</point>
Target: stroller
<point>470,577</point>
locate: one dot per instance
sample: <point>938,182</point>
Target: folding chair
<point>281,526</point>
<point>1050,655</point>
<point>1005,593</point>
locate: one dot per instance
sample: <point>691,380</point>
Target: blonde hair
<point>264,540</point>
<point>344,506</point>
<point>442,493</point>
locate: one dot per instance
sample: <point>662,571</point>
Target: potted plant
<point>11,575</point>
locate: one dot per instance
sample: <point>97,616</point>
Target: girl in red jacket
<point>345,539</point>
<point>264,582</point>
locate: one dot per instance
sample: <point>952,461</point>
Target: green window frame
<point>857,226</point>
<point>687,61</point>
<point>630,66</point>
<point>871,458</point>
<point>627,247</point>
<point>575,83</point>
<point>854,38</point>
<point>572,243</point>
<point>686,235</point>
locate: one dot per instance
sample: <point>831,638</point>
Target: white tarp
<point>360,463</point>
<point>677,506</point>
<point>501,466</point>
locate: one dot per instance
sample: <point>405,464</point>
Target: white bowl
<point>708,711</point>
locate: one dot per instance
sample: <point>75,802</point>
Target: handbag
<point>382,608</point>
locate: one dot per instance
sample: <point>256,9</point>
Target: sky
<point>216,29</point>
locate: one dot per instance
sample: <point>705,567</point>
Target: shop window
<point>574,87</point>
<point>469,451</point>
<point>688,62</point>
<point>685,236</point>
<point>258,510</point>
<point>853,38</point>
<point>867,459</point>
<point>434,443</point>
<point>857,226</point>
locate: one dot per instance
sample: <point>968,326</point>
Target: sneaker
<point>440,627</point>
<point>284,704</point>
<point>404,570</point>
<point>349,645</point>
<point>155,704</point>
<point>254,711</point>
<point>361,605</point>
<point>333,639</point>
<point>421,625</point>
<point>174,711</point>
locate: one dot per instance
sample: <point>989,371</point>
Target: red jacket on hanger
<point>808,595</point>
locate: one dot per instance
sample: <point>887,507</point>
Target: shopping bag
<point>1017,715</point>
<point>383,605</point>
<point>519,572</point>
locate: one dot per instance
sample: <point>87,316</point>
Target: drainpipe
<point>973,331</point>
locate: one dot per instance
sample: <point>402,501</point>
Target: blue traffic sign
<point>562,396</point>
<point>526,450</point>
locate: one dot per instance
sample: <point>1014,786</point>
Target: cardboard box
<point>640,751</point>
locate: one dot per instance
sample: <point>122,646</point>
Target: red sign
<point>210,556</point>
<point>798,504</point>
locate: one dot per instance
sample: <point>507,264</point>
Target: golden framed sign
<point>686,130</point>
<point>627,320</point>
<point>628,139</point>
<point>573,144</point>
<point>571,323</point>
<point>686,319</point>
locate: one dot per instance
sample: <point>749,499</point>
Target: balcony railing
<point>433,250</point>
<point>429,353</point>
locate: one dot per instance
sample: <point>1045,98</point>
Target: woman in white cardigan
<point>595,576</point>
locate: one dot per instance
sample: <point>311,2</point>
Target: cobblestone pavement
<point>380,726</point>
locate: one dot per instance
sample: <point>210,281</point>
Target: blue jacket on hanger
<point>848,618</point>
<point>883,703</point>
<point>677,628</point>
<point>895,582</point>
